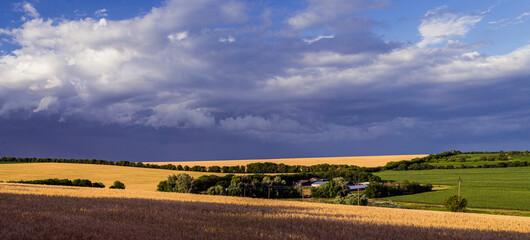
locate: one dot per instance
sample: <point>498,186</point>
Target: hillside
<point>133,177</point>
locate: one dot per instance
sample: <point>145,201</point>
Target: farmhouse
<point>351,187</point>
<point>317,184</point>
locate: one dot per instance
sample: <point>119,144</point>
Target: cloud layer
<point>187,65</point>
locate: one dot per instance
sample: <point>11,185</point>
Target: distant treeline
<point>268,167</point>
<point>457,156</point>
<point>64,182</point>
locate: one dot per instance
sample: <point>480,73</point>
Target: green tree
<point>455,203</point>
<point>184,183</point>
<point>118,185</point>
<point>216,190</point>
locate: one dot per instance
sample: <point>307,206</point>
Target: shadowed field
<point>133,177</point>
<point>362,161</point>
<point>271,215</point>
<point>58,217</point>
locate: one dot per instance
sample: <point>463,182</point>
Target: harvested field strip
<point>362,161</point>
<point>133,178</point>
<point>272,209</point>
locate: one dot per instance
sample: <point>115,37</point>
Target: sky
<point>229,79</point>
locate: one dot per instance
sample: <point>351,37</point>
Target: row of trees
<point>64,182</point>
<point>75,182</point>
<point>379,190</point>
<point>408,165</point>
<point>256,186</point>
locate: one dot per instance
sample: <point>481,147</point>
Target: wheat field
<point>133,177</point>
<point>362,161</point>
<point>302,210</point>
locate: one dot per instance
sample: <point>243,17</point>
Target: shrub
<point>455,203</point>
<point>82,183</point>
<point>118,185</point>
<point>216,190</point>
<point>98,185</point>
<point>351,199</point>
<point>331,189</point>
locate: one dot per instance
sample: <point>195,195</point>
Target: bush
<point>82,183</point>
<point>455,204</point>
<point>98,185</point>
<point>331,189</point>
<point>351,199</point>
<point>118,185</point>
<point>216,190</point>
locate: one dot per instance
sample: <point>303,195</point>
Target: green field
<point>501,188</point>
<point>456,164</point>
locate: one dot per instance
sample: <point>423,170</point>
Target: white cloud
<point>309,41</point>
<point>46,103</point>
<point>178,36</point>
<point>228,39</point>
<point>101,13</point>
<point>523,17</point>
<point>437,27</point>
<point>30,10</point>
<point>171,68</point>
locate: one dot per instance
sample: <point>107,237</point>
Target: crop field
<point>133,177</point>
<point>362,161</point>
<point>43,212</point>
<point>503,188</point>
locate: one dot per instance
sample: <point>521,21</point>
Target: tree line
<point>64,182</point>
<point>255,186</point>
<point>379,190</point>
<point>269,167</point>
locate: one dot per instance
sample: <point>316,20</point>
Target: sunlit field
<point>362,161</point>
<point>207,216</point>
<point>504,188</point>
<point>133,177</point>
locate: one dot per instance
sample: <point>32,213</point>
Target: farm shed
<point>355,187</point>
<point>317,184</point>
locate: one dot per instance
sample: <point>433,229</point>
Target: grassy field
<point>503,188</point>
<point>470,163</point>
<point>73,212</point>
<point>132,177</point>
<point>362,161</point>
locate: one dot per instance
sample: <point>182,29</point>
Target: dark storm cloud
<point>299,84</point>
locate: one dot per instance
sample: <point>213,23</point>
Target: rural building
<point>355,187</point>
<point>314,179</point>
<point>317,184</point>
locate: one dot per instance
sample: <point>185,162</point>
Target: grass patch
<point>497,188</point>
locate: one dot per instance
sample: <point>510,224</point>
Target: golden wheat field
<point>362,161</point>
<point>303,210</point>
<point>133,177</point>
